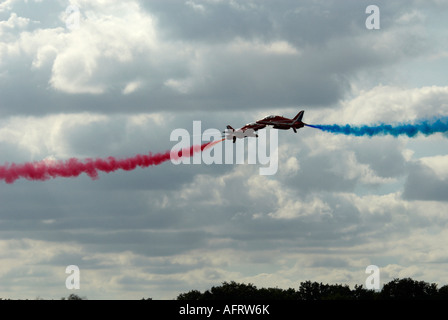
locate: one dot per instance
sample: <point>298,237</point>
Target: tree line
<point>397,289</point>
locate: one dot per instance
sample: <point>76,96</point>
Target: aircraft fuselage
<point>282,123</point>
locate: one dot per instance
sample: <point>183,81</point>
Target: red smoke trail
<point>211,144</point>
<point>46,169</point>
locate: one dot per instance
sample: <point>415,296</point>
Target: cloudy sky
<point>121,78</point>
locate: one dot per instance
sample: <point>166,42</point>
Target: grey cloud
<point>325,33</point>
<point>423,184</point>
<point>330,262</point>
<point>303,23</point>
<point>384,156</point>
<point>167,267</point>
<point>317,170</point>
<point>265,233</point>
<point>220,21</point>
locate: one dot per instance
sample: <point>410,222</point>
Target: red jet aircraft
<point>247,131</point>
<point>283,123</point>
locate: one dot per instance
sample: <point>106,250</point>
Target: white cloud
<point>44,136</point>
<point>281,47</point>
<point>182,85</point>
<point>292,165</point>
<point>348,167</point>
<point>44,56</point>
<point>79,66</point>
<point>290,208</point>
<point>204,190</point>
<point>132,86</point>
<point>83,59</point>
<point>439,164</point>
<point>412,17</point>
<point>14,21</point>
<point>31,260</point>
<point>287,203</point>
<point>195,6</point>
<point>145,119</point>
<point>389,104</point>
<point>377,205</point>
<point>6,5</point>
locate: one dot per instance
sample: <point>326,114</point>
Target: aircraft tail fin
<point>229,135</point>
<point>299,116</point>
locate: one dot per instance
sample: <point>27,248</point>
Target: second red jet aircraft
<point>277,122</point>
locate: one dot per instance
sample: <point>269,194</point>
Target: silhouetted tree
<point>232,290</point>
<point>318,291</point>
<point>73,296</point>
<point>277,294</point>
<point>443,292</point>
<point>240,291</point>
<point>359,293</point>
<point>336,292</point>
<point>396,289</point>
<point>408,289</point>
<point>190,295</point>
<point>309,291</point>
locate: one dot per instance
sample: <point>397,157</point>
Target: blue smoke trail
<point>425,127</point>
